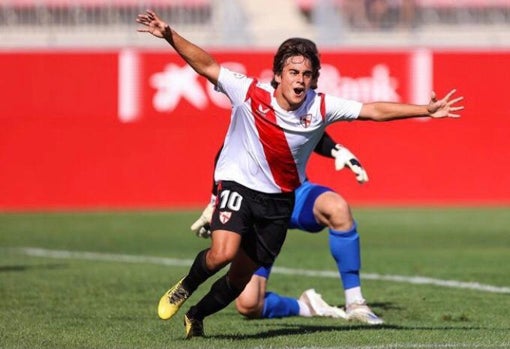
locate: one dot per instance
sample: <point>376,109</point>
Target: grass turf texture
<point>74,302</point>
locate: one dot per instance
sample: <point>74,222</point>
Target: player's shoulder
<point>225,72</point>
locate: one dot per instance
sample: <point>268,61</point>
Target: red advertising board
<point>139,129</point>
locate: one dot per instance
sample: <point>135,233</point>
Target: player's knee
<point>342,217</point>
<point>337,213</point>
<point>341,207</point>
<point>218,258</point>
<point>250,308</point>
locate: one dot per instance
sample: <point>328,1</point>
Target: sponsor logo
<point>176,84</point>
<point>378,86</point>
<point>263,111</point>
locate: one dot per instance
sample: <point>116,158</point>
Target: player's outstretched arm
<point>387,111</point>
<point>202,62</point>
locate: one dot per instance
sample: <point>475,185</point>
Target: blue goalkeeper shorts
<point>302,216</point>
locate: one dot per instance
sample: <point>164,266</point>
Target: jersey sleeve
<point>341,109</point>
<point>234,85</point>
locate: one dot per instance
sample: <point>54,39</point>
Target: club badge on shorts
<point>225,216</point>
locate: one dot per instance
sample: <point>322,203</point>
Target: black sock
<point>198,273</point>
<point>222,293</point>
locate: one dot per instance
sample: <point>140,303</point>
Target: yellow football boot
<point>193,327</point>
<point>172,300</point>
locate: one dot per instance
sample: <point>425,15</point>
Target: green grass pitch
<point>440,278</point>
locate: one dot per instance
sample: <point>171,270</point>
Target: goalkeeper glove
<point>201,227</point>
<point>344,157</point>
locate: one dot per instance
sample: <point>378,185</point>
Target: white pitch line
<point>413,346</point>
<point>124,258</point>
<point>108,257</point>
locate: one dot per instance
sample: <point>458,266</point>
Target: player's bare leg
<point>331,210</point>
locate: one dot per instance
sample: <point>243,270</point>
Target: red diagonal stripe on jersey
<point>323,105</point>
<point>272,137</point>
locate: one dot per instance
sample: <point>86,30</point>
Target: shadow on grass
<point>290,330</point>
<point>279,329</point>
<point>20,268</point>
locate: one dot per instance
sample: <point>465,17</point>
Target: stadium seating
<point>422,13</point>
<point>234,23</point>
<point>98,12</point>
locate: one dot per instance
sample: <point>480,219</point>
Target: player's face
<point>293,83</point>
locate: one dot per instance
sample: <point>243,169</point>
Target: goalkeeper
<point>316,207</point>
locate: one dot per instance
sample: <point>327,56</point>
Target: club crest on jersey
<point>225,216</point>
<point>305,120</point>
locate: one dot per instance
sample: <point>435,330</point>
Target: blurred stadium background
<point>97,115</point>
<point>255,23</point>
<point>259,23</point>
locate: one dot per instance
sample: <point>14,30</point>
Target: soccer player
<point>273,130</point>
<point>316,207</point>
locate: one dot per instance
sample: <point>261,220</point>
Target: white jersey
<point>266,148</point>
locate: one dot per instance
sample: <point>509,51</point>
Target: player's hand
<point>343,157</point>
<point>201,227</point>
<point>444,107</point>
<point>153,24</point>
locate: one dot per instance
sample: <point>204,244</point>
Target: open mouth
<point>299,91</point>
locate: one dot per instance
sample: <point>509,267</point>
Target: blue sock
<point>276,306</point>
<point>345,249</point>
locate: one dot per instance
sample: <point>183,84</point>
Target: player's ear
<point>278,78</point>
<point>314,83</point>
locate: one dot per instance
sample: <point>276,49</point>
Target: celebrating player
<point>273,130</point>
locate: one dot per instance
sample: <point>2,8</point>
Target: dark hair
<point>297,47</point>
